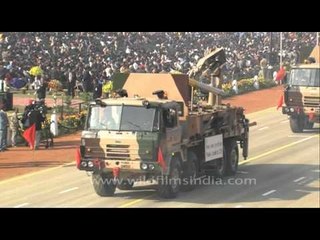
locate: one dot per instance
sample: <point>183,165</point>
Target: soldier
<point>14,126</point>
<point>37,118</point>
<point>3,128</point>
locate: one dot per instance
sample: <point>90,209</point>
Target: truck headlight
<point>83,164</point>
<point>144,166</point>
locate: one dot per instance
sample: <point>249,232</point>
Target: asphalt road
<point>282,171</point>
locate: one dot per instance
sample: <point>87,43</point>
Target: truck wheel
<point>189,172</point>
<point>296,124</point>
<point>169,186</point>
<point>103,184</point>
<point>232,157</point>
<point>125,185</point>
<point>221,166</point>
<point>308,125</point>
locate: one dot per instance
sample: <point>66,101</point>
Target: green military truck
<point>156,132</point>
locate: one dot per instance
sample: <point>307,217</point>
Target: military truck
<point>302,94</point>
<point>157,132</point>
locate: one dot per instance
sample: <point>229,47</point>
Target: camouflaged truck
<point>156,132</point>
<point>302,94</point>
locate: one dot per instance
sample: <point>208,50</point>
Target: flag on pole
<point>78,158</point>
<point>280,74</point>
<point>161,161</point>
<point>280,102</point>
<point>30,135</point>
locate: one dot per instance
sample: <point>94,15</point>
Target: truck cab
<point>302,96</point>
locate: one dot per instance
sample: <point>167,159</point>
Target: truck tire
<point>232,157</point>
<point>221,166</point>
<point>169,186</point>
<point>308,124</point>
<point>125,185</point>
<point>103,184</point>
<point>189,173</point>
<point>296,124</point>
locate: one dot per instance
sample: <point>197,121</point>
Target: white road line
<point>243,172</point>
<point>285,121</point>
<point>267,193</point>
<point>305,181</point>
<point>263,128</point>
<point>69,190</point>
<point>21,205</point>
<point>303,191</point>
<point>274,199</point>
<point>299,179</point>
<point>316,170</point>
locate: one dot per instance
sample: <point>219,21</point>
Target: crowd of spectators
<point>92,57</point>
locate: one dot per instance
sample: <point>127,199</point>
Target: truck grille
<point>117,152</point>
<point>311,101</point>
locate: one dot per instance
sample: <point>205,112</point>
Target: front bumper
<point>88,164</point>
<point>313,113</point>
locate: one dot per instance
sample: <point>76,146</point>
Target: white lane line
<point>299,179</point>
<point>305,181</point>
<point>274,199</point>
<point>243,172</point>
<point>285,121</point>
<point>263,128</point>
<point>268,193</point>
<point>303,191</point>
<point>21,205</point>
<point>69,190</point>
<point>316,170</point>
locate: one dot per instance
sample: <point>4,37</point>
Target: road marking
<point>243,172</point>
<point>316,170</point>
<point>305,181</point>
<point>241,163</point>
<point>274,199</point>
<point>69,190</point>
<point>285,121</point>
<point>303,191</point>
<point>268,193</point>
<point>259,113</point>
<point>299,179</point>
<point>35,173</point>
<point>21,205</point>
<point>276,150</point>
<point>263,128</point>
<point>135,201</point>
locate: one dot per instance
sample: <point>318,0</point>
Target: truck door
<point>172,129</point>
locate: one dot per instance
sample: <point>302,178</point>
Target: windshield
<point>305,77</point>
<point>123,118</point>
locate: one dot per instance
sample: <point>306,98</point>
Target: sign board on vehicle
<point>213,147</point>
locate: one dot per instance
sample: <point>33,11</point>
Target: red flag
<point>30,135</point>
<point>280,74</point>
<point>78,158</point>
<point>280,102</point>
<point>161,161</point>
<point>311,116</point>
